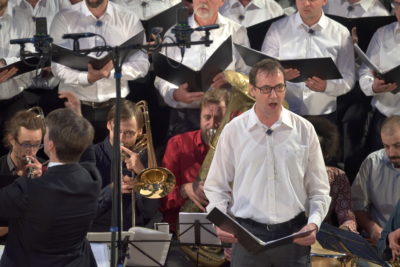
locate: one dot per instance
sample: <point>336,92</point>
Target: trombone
<point>152,182</point>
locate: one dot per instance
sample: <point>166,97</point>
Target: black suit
<point>50,216</point>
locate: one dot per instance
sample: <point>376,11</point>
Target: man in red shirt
<point>184,156</point>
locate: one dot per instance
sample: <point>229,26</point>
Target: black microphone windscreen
<point>311,31</point>
<point>350,8</point>
<point>182,15</point>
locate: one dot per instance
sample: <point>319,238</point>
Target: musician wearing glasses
<point>384,52</point>
<point>269,172</point>
<point>133,162</point>
<point>24,135</point>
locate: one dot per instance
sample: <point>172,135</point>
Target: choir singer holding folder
<point>310,34</point>
<point>95,88</point>
<point>185,115</point>
<point>268,171</point>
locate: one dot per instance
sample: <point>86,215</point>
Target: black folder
<point>25,66</point>
<point>165,19</point>
<point>257,32</point>
<point>198,80</point>
<point>80,62</point>
<point>366,26</point>
<point>335,239</point>
<point>249,241</point>
<point>390,76</point>
<point>323,68</point>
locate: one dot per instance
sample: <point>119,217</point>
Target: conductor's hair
<point>269,66</point>
<point>71,134</point>
<point>390,125</point>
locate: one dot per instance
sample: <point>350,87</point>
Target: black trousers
<point>290,255</point>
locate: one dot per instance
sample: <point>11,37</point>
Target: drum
<point>321,257</point>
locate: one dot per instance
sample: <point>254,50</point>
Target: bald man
<point>376,189</point>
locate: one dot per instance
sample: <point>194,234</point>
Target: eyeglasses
<point>29,146</point>
<point>279,88</point>
<point>395,4</point>
<point>128,133</point>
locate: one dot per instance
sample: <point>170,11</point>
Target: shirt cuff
<point>83,78</point>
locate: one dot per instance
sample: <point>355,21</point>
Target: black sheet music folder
<point>166,19</point>
<point>28,65</point>
<point>249,241</point>
<point>366,26</point>
<point>323,68</point>
<point>257,32</point>
<point>389,76</point>
<point>335,239</point>
<point>80,62</point>
<point>199,80</point>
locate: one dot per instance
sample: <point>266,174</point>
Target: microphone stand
<point>117,253</point>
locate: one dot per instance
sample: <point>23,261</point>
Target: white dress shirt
<point>255,12</point>
<point>116,26</point>
<point>384,51</point>
<point>363,8</point>
<point>45,8</point>
<point>269,178</point>
<point>197,55</point>
<point>14,24</point>
<point>288,38</point>
<point>376,189</point>
<point>146,9</point>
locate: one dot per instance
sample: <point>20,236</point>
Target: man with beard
<point>131,128</point>
<point>95,88</point>
<point>185,113</point>
<point>376,189</point>
<point>185,154</point>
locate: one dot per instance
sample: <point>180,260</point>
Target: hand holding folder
<point>249,241</point>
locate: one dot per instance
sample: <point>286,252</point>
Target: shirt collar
<point>10,163</point>
<point>52,164</point>
<point>254,4</point>
<point>85,10</point>
<point>320,25</point>
<point>198,140</point>
<point>365,4</point>
<point>284,119</point>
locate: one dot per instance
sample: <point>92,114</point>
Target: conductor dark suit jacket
<point>49,217</point>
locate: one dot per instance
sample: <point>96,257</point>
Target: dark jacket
<point>50,216</point>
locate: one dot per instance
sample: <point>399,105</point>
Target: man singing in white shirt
<point>268,171</point>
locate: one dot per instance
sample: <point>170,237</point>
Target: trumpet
<point>152,182</point>
<point>31,169</point>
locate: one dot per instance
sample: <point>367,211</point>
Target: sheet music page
<point>101,254</point>
<point>1,250</point>
<point>365,59</point>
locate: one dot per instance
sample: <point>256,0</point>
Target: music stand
<point>147,247</point>
<point>352,244</point>
<point>196,230</point>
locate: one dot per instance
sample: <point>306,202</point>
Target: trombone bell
<point>155,182</point>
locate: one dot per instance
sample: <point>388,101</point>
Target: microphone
<point>22,41</point>
<point>269,132</point>
<point>182,30</point>
<point>76,37</point>
<point>311,31</point>
<point>350,8</point>
<point>207,27</point>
